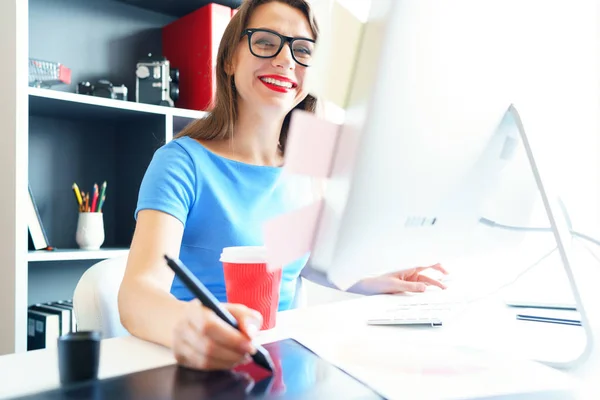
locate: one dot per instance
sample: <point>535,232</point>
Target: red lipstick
<point>278,88</point>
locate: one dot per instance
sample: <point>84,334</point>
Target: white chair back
<point>95,301</point>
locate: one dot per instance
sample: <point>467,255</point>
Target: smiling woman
<point>268,45</point>
<point>216,184</point>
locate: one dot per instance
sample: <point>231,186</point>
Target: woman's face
<point>275,84</point>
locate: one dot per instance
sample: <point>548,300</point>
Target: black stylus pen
<point>262,356</point>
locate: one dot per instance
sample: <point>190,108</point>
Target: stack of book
<point>46,322</point>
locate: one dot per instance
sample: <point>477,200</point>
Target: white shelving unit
<point>74,254</point>
<point>48,101</point>
<point>57,104</point>
<point>42,129</point>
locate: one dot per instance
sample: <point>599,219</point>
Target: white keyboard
<point>433,314</point>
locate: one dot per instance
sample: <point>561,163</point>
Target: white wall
<point>557,85</point>
<point>13,176</point>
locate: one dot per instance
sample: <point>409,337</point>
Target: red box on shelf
<point>191,44</point>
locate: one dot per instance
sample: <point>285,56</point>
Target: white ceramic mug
<point>90,230</point>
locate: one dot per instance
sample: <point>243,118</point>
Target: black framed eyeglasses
<point>265,43</point>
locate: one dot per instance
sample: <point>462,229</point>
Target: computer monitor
<point>429,146</point>
<point>407,202</point>
<point>430,135</point>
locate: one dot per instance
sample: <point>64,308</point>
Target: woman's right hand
<point>203,341</point>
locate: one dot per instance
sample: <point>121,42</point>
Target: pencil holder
<point>90,230</point>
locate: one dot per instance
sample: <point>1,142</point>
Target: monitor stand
<point>583,277</point>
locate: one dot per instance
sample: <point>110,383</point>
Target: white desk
<point>394,360</point>
<point>398,361</point>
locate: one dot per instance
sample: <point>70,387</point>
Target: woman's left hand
<point>408,280</point>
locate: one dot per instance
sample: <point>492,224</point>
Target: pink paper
<point>291,235</point>
<point>310,145</point>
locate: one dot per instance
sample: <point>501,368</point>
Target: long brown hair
<point>218,123</point>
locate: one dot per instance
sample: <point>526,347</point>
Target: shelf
<point>54,103</point>
<point>75,254</point>
<point>178,8</point>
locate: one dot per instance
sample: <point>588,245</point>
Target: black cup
<point>78,356</point>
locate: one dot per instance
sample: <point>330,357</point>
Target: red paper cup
<point>248,282</point>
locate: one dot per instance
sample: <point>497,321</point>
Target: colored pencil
<point>102,196</point>
<point>77,194</point>
<point>101,203</point>
<point>95,197</point>
<point>82,206</point>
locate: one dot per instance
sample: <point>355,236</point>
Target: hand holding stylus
<point>203,341</point>
<point>213,335</point>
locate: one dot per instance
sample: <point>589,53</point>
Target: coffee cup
<point>249,281</point>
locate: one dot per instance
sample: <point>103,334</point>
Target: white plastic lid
<point>244,254</point>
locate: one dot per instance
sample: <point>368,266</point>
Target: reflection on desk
<point>299,374</point>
